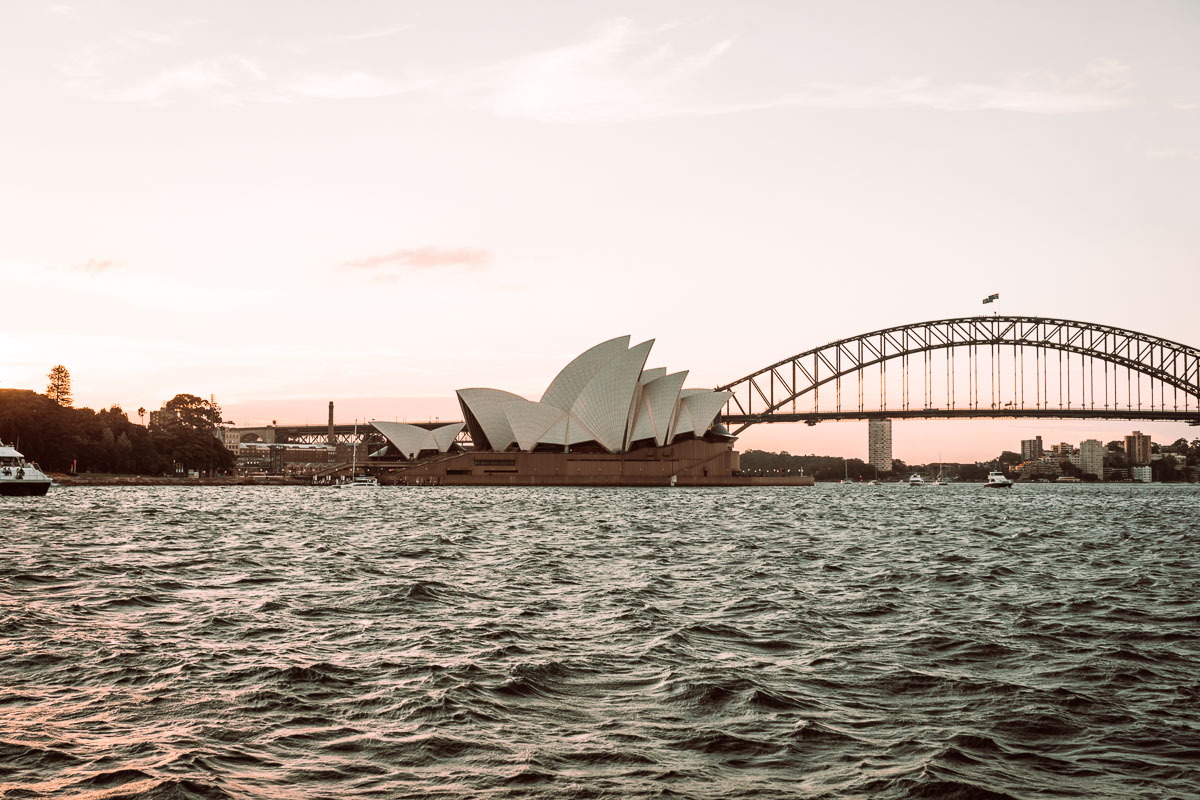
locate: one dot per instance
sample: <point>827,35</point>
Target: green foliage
<point>107,441</point>
<point>830,468</point>
<point>1165,470</point>
<point>55,435</point>
<point>184,432</point>
<point>59,388</point>
<point>823,468</point>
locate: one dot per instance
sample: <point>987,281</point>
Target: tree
<point>1165,471</point>
<point>59,388</point>
<point>1009,459</point>
<point>185,431</point>
<point>142,414</point>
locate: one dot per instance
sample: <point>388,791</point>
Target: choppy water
<point>832,642</point>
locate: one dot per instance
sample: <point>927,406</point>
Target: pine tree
<point>59,388</point>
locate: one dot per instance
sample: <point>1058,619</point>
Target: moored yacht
<point>18,476</point>
<point>998,480</point>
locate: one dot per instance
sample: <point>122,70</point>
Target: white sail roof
<point>484,406</point>
<point>606,401</point>
<point>605,395</point>
<point>697,408</point>
<point>411,440</point>
<point>531,421</point>
<point>566,387</point>
<point>444,436</point>
<point>652,374</point>
<point>656,408</point>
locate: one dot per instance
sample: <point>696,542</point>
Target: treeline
<point>59,437</point>
<point>835,468</point>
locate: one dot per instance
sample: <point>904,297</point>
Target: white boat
<point>359,481</point>
<point>916,480</point>
<point>18,476</point>
<point>940,480</point>
<point>998,480</point>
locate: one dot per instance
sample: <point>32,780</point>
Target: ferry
<point>998,480</point>
<point>18,476</point>
<point>916,480</point>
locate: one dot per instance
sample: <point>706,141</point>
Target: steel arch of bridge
<point>770,394</point>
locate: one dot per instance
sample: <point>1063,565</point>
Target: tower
<point>879,444</point>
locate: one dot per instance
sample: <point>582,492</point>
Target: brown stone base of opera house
<point>696,462</point>
<point>526,480</point>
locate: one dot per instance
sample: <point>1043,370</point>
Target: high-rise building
<point>1091,457</point>
<point>879,444</point>
<point>1031,449</point>
<point>1062,450</point>
<point>1137,448</point>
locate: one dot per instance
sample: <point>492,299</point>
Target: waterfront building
<point>1140,474</point>
<point>1043,468</point>
<point>605,420</point>
<point>604,400</point>
<point>1137,448</point>
<point>1091,457</point>
<point>879,444</point>
<point>1062,451</point>
<point>1031,449</point>
<point>269,458</point>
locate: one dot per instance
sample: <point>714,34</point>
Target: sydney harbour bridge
<point>963,367</point>
<point>976,367</point>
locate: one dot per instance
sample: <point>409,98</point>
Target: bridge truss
<point>986,366</point>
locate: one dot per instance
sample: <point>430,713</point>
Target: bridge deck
<point>1192,417</point>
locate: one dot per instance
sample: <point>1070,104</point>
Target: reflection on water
<point>839,641</point>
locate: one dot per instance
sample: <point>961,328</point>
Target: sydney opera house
<point>605,419</point>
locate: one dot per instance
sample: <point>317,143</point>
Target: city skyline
<point>378,205</point>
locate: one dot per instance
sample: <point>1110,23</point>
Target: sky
<point>378,203</point>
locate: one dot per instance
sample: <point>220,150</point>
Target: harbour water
<point>832,642</point>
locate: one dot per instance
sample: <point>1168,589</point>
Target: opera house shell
<point>605,400</point>
<point>605,420</point>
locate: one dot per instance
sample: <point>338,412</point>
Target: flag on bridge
<point>991,298</point>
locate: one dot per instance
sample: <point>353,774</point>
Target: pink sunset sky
<point>378,203</point>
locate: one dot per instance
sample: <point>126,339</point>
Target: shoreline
<point>73,481</point>
<point>163,480</point>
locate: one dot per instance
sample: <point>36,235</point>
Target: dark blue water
<point>829,642</point>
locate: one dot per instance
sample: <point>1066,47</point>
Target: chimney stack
<point>332,440</point>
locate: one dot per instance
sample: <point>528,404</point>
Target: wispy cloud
<point>230,79</point>
<point>624,73</point>
<point>154,37</point>
<point>95,266</point>
<point>421,259</point>
<point>620,73</point>
<point>1102,85</point>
